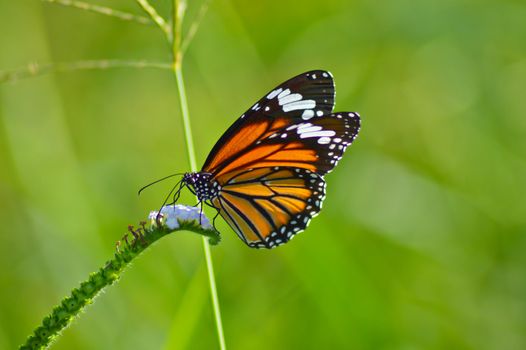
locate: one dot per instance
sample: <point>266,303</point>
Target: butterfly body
<point>202,184</point>
<point>265,175</point>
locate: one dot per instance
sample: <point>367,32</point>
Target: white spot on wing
<point>303,126</point>
<point>289,98</point>
<point>317,134</point>
<point>307,114</point>
<point>324,140</point>
<point>306,128</point>
<point>283,94</point>
<point>274,93</point>
<point>304,104</point>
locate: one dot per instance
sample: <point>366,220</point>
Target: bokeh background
<point>422,240</point>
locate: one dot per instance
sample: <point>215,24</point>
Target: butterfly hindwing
<point>267,206</point>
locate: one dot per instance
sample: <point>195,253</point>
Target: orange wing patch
<point>243,138</point>
<point>262,158</point>
<point>291,154</point>
<point>267,206</point>
<point>232,212</point>
<point>256,154</point>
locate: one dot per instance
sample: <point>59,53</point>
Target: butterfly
<point>265,175</point>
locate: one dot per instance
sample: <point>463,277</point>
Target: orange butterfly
<point>265,174</point>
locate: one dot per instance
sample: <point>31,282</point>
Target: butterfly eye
<point>189,179</point>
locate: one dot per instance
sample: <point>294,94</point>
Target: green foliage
<point>70,307</point>
<point>421,240</point>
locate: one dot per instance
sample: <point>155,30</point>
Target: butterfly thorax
<point>203,184</point>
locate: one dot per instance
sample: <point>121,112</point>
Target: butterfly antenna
<point>200,213</point>
<point>177,193</point>
<point>170,193</point>
<point>157,181</point>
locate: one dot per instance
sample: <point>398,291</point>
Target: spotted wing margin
<point>304,96</point>
<point>316,144</point>
<point>266,207</point>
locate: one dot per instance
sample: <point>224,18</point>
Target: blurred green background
<point>422,240</point>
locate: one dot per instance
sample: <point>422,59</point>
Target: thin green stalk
<point>206,246</point>
<point>183,102</point>
<point>195,25</point>
<point>37,69</point>
<point>156,17</point>
<point>71,306</point>
<point>102,10</point>
<point>179,7</point>
<point>213,293</point>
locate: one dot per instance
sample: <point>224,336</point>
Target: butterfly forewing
<point>299,99</point>
<point>267,206</point>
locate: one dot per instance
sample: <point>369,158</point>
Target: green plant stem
<point>71,306</point>
<point>213,293</point>
<point>37,69</point>
<point>185,118</point>
<point>206,246</point>
<point>102,10</point>
<point>195,25</point>
<point>156,17</point>
<point>179,7</point>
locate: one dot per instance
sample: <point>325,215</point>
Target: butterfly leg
<point>200,213</point>
<point>200,204</point>
<point>177,193</point>
<point>214,220</point>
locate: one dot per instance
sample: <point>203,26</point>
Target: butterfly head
<point>202,184</point>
